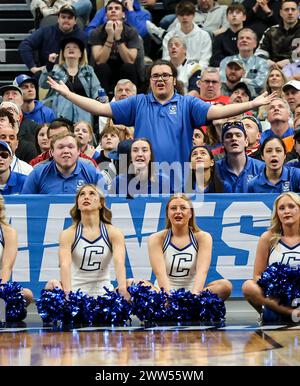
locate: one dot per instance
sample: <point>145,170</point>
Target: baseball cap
<point>123,148</point>
<point>244,87</point>
<point>255,120</point>
<point>22,78</point>
<point>67,8</point>
<point>8,87</point>
<point>6,147</point>
<point>70,39</point>
<point>237,62</point>
<point>292,83</point>
<point>233,125</point>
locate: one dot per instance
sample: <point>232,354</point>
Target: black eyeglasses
<point>165,76</point>
<point>4,154</point>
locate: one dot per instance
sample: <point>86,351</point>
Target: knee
<point>28,295</point>
<point>248,288</point>
<point>227,288</point>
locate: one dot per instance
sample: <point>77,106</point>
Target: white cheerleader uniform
<point>91,262</point>
<point>284,254</point>
<point>181,262</point>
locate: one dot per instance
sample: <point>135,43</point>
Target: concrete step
<point>11,41</point>
<point>10,55</point>
<point>16,25</point>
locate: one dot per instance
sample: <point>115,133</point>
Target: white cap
<point>292,83</point>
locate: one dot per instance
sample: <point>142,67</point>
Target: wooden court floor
<point>158,346</point>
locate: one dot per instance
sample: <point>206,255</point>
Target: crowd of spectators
<point>205,98</point>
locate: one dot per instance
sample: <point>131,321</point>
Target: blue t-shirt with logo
<point>169,127</point>
<point>289,182</point>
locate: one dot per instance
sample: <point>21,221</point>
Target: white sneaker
<point>157,33</point>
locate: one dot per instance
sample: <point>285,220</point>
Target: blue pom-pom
<point>15,301</point>
<point>208,307</point>
<point>282,282</point>
<point>51,305</point>
<point>111,308</point>
<point>148,304</point>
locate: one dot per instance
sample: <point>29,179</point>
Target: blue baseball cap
<point>233,125</point>
<point>6,146</point>
<point>255,120</point>
<point>22,78</point>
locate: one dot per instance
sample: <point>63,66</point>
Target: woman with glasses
<point>203,177</point>
<point>88,246</point>
<point>281,244</point>
<point>180,255</point>
<point>275,177</point>
<point>141,178</point>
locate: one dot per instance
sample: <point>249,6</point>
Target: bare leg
<point>28,295</point>
<point>254,295</point>
<point>221,287</point>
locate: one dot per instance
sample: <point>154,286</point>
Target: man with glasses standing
<point>166,118</point>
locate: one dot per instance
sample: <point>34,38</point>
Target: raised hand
<point>60,87</point>
<point>264,99</point>
<point>109,28</point>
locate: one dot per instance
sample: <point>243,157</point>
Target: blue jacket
<point>40,114</point>
<point>136,18</point>
<point>60,105</point>
<point>35,49</point>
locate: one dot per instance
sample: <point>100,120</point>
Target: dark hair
<point>236,6</point>
<point>109,129</point>
<point>9,115</point>
<point>289,1</point>
<point>151,169</point>
<point>58,123</point>
<point>116,2</point>
<point>269,139</point>
<point>215,183</point>
<point>185,8</point>
<point>38,129</point>
<point>162,62</point>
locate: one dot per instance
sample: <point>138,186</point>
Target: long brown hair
<point>192,222</point>
<point>105,214</point>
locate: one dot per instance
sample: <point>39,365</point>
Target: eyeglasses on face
<point>4,154</point>
<point>165,76</point>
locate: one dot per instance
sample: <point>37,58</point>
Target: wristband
<point>118,42</point>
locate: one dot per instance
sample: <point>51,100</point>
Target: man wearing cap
<point>256,68</point>
<point>9,134</point>
<point>13,97</point>
<point>37,47</point>
<point>225,43</point>
<point>253,129</point>
<point>31,107</point>
<point>234,71</point>
<point>10,182</point>
<point>240,93</point>
<point>236,168</point>
<point>291,92</point>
